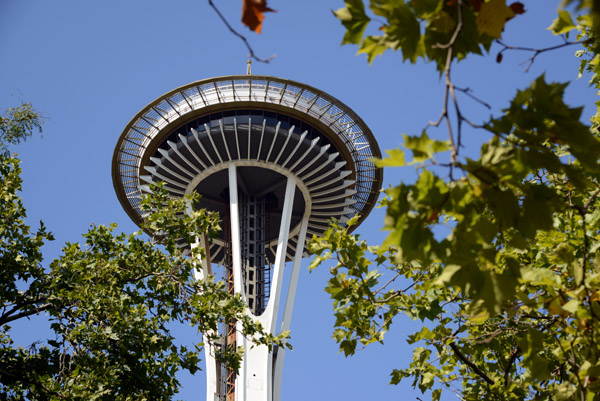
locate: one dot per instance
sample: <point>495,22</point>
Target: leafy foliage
<point>111,301</point>
<point>18,124</point>
<point>419,28</point>
<point>498,257</point>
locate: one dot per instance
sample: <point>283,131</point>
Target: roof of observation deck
<point>165,115</point>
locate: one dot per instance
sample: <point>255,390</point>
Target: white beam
<point>200,273</point>
<point>236,256</point>
<point>280,255</point>
<point>289,306</point>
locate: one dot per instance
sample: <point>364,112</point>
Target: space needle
<point>277,159</point>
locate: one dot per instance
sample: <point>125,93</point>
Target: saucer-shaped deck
<point>270,129</point>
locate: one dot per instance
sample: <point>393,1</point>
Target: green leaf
<point>442,22</point>
<point>373,46</point>
<point>318,260</point>
<point>577,272</point>
<point>492,17</point>
<point>397,376</point>
<point>354,19</point>
<point>423,148</point>
<point>431,190</point>
<point>564,391</point>
<point>540,276</point>
<point>348,346</point>
<point>339,335</point>
<point>562,24</point>
<point>447,274</point>
<point>539,368</point>
<point>571,306</point>
<point>426,9</point>
<point>403,31</point>
<point>395,158</point>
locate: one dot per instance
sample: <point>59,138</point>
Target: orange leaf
<point>252,13</point>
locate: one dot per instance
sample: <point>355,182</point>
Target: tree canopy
<point>112,300</point>
<point>497,255</point>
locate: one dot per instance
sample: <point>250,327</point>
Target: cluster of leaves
<point>18,124</point>
<point>499,257</point>
<point>587,27</point>
<point>512,292</point>
<point>421,28</point>
<point>111,302</point>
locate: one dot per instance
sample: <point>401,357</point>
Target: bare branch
<point>536,52</point>
<point>449,92</point>
<point>467,91</point>
<point>386,284</point>
<point>6,317</point>
<point>239,35</point>
<point>28,313</point>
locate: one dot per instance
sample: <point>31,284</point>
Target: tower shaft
<point>259,376</point>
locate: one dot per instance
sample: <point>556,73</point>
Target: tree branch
<point>449,91</point>
<point>239,35</point>
<point>467,91</point>
<point>19,305</point>
<point>591,200</point>
<point>28,313</point>
<point>396,294</point>
<point>536,52</point>
<point>470,364</point>
<point>513,357</point>
<point>383,287</point>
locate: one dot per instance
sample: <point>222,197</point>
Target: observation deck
<point>270,128</point>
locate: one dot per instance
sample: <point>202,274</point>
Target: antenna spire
<point>249,69</point>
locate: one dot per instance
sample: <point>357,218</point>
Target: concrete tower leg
<point>289,306</point>
<point>202,271</point>
<point>255,379</point>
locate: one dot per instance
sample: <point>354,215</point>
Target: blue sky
<point>89,67</point>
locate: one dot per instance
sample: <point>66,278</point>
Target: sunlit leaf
<point>562,24</point>
<point>493,16</point>
<point>354,19</point>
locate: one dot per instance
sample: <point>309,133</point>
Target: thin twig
<point>239,35</point>
<point>449,92</point>
<point>536,52</point>
<point>396,294</point>
<point>467,91</point>
<point>386,284</point>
